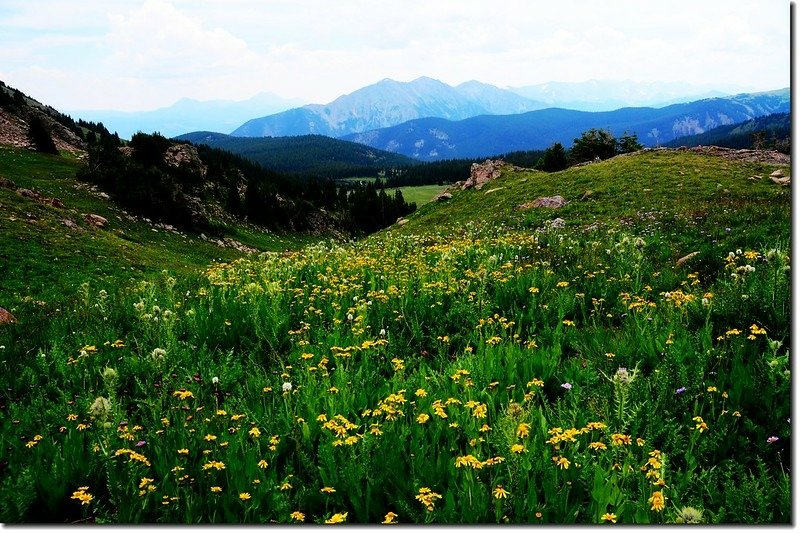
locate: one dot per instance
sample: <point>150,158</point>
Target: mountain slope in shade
<point>316,155</point>
<point>434,139</point>
<point>775,128</point>
<point>388,103</point>
<point>187,115</point>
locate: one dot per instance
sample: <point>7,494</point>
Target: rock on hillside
<point>16,113</point>
<point>185,156</point>
<point>482,173</point>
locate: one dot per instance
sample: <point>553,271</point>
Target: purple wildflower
<point>680,391</point>
<point>141,443</point>
<point>567,386</point>
<point>772,439</point>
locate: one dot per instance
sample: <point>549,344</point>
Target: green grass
<point>461,368</point>
<point>698,200</point>
<point>45,259</point>
<point>421,194</point>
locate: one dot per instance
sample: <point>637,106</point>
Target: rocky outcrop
<point>95,221</point>
<point>185,156</point>
<point>552,202</point>
<point>14,130</point>
<point>482,173</point>
<point>227,242</point>
<point>443,197</point>
<point>33,195</point>
<point>772,157</point>
<point>779,178</point>
<point>6,317</point>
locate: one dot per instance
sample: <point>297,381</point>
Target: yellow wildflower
<point>499,492</point>
<point>657,501</point>
<point>338,518</point>
<point>562,462</point>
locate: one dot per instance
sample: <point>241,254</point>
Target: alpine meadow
<point>417,303</point>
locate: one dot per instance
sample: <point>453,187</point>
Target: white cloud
<point>142,54</point>
<point>159,41</point>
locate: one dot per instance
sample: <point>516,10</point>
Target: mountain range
<point>432,139</point>
<point>388,103</point>
<point>188,114</point>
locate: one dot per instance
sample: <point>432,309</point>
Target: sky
<point>134,55</point>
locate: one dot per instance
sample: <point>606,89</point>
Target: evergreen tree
<point>628,143</point>
<point>593,144</point>
<point>39,136</point>
<point>555,158</point>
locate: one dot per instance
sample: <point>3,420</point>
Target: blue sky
<point>135,55</point>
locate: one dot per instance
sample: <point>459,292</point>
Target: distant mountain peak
<point>386,103</point>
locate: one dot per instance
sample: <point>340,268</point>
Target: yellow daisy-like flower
<point>657,501</point>
<point>327,490</point>
<point>244,496</point>
<point>562,462</point>
<point>618,439</point>
<point>499,492</point>
<point>421,419</point>
<point>523,430</point>
<point>216,489</point>
<point>517,448</point>
<point>390,518</point>
<point>263,464</point>
<point>420,393</point>
<point>609,517</point>
<point>338,518</point>
<point>254,432</point>
<point>297,515</point>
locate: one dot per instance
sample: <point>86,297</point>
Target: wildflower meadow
<point>495,376</point>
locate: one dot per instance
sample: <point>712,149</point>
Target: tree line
<point>140,178</point>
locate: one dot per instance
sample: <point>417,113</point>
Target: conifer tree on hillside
<point>40,137</point>
<point>555,158</point>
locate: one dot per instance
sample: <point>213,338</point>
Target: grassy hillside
<point>459,368</point>
<point>698,200</point>
<point>43,259</point>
